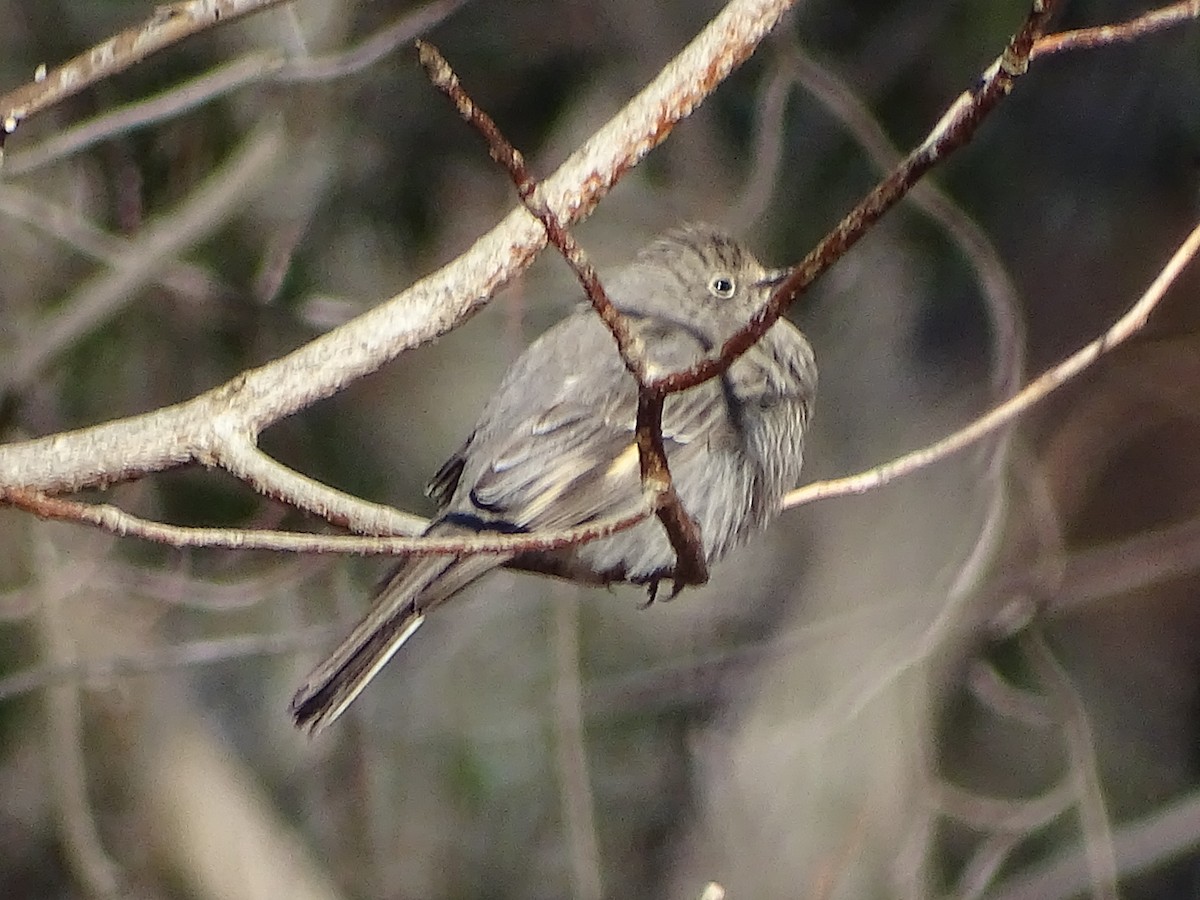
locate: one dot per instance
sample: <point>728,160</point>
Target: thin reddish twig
<point>683,532</point>
<point>116,521</point>
<point>954,130</point>
<point>503,152</point>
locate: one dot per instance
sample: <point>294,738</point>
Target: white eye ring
<point>722,286</point>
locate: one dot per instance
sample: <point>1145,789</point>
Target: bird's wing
<point>570,455</point>
<point>578,461</point>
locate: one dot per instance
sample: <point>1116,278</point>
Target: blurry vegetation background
<point>965,684</point>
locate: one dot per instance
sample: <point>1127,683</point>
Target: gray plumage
<point>554,447</point>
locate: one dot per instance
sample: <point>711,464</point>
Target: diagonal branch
<point>682,530</point>
<point>253,68</point>
<point>1123,33</point>
<point>169,24</point>
<point>70,227</point>
<point>1038,389</point>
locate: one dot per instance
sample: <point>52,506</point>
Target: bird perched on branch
<point>555,447</point>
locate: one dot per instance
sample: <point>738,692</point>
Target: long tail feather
<point>396,614</point>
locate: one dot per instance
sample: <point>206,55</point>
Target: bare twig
<point>1009,822</point>
<point>1018,817</point>
<point>254,68</point>
<point>1106,35</point>
<point>999,292</point>
<point>1121,330</point>
<point>502,150</point>
<point>952,131</point>
<point>199,429</point>
<point>117,521</point>
<point>1006,699</point>
<point>1110,570</point>
<point>372,49</point>
<point>682,531</point>
<point>985,862</point>
<point>174,101</point>
<point>176,587</point>
<point>169,24</point>
<point>681,528</point>
<point>767,153</point>
<point>146,660</point>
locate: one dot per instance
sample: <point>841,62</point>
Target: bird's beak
<point>774,277</point>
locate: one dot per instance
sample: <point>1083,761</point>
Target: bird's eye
<point>722,286</point>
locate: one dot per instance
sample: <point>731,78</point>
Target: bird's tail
<point>413,588</point>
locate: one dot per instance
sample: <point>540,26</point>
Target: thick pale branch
<point>431,307</point>
<point>239,456</point>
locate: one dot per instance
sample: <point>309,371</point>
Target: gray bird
<point>555,447</point>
